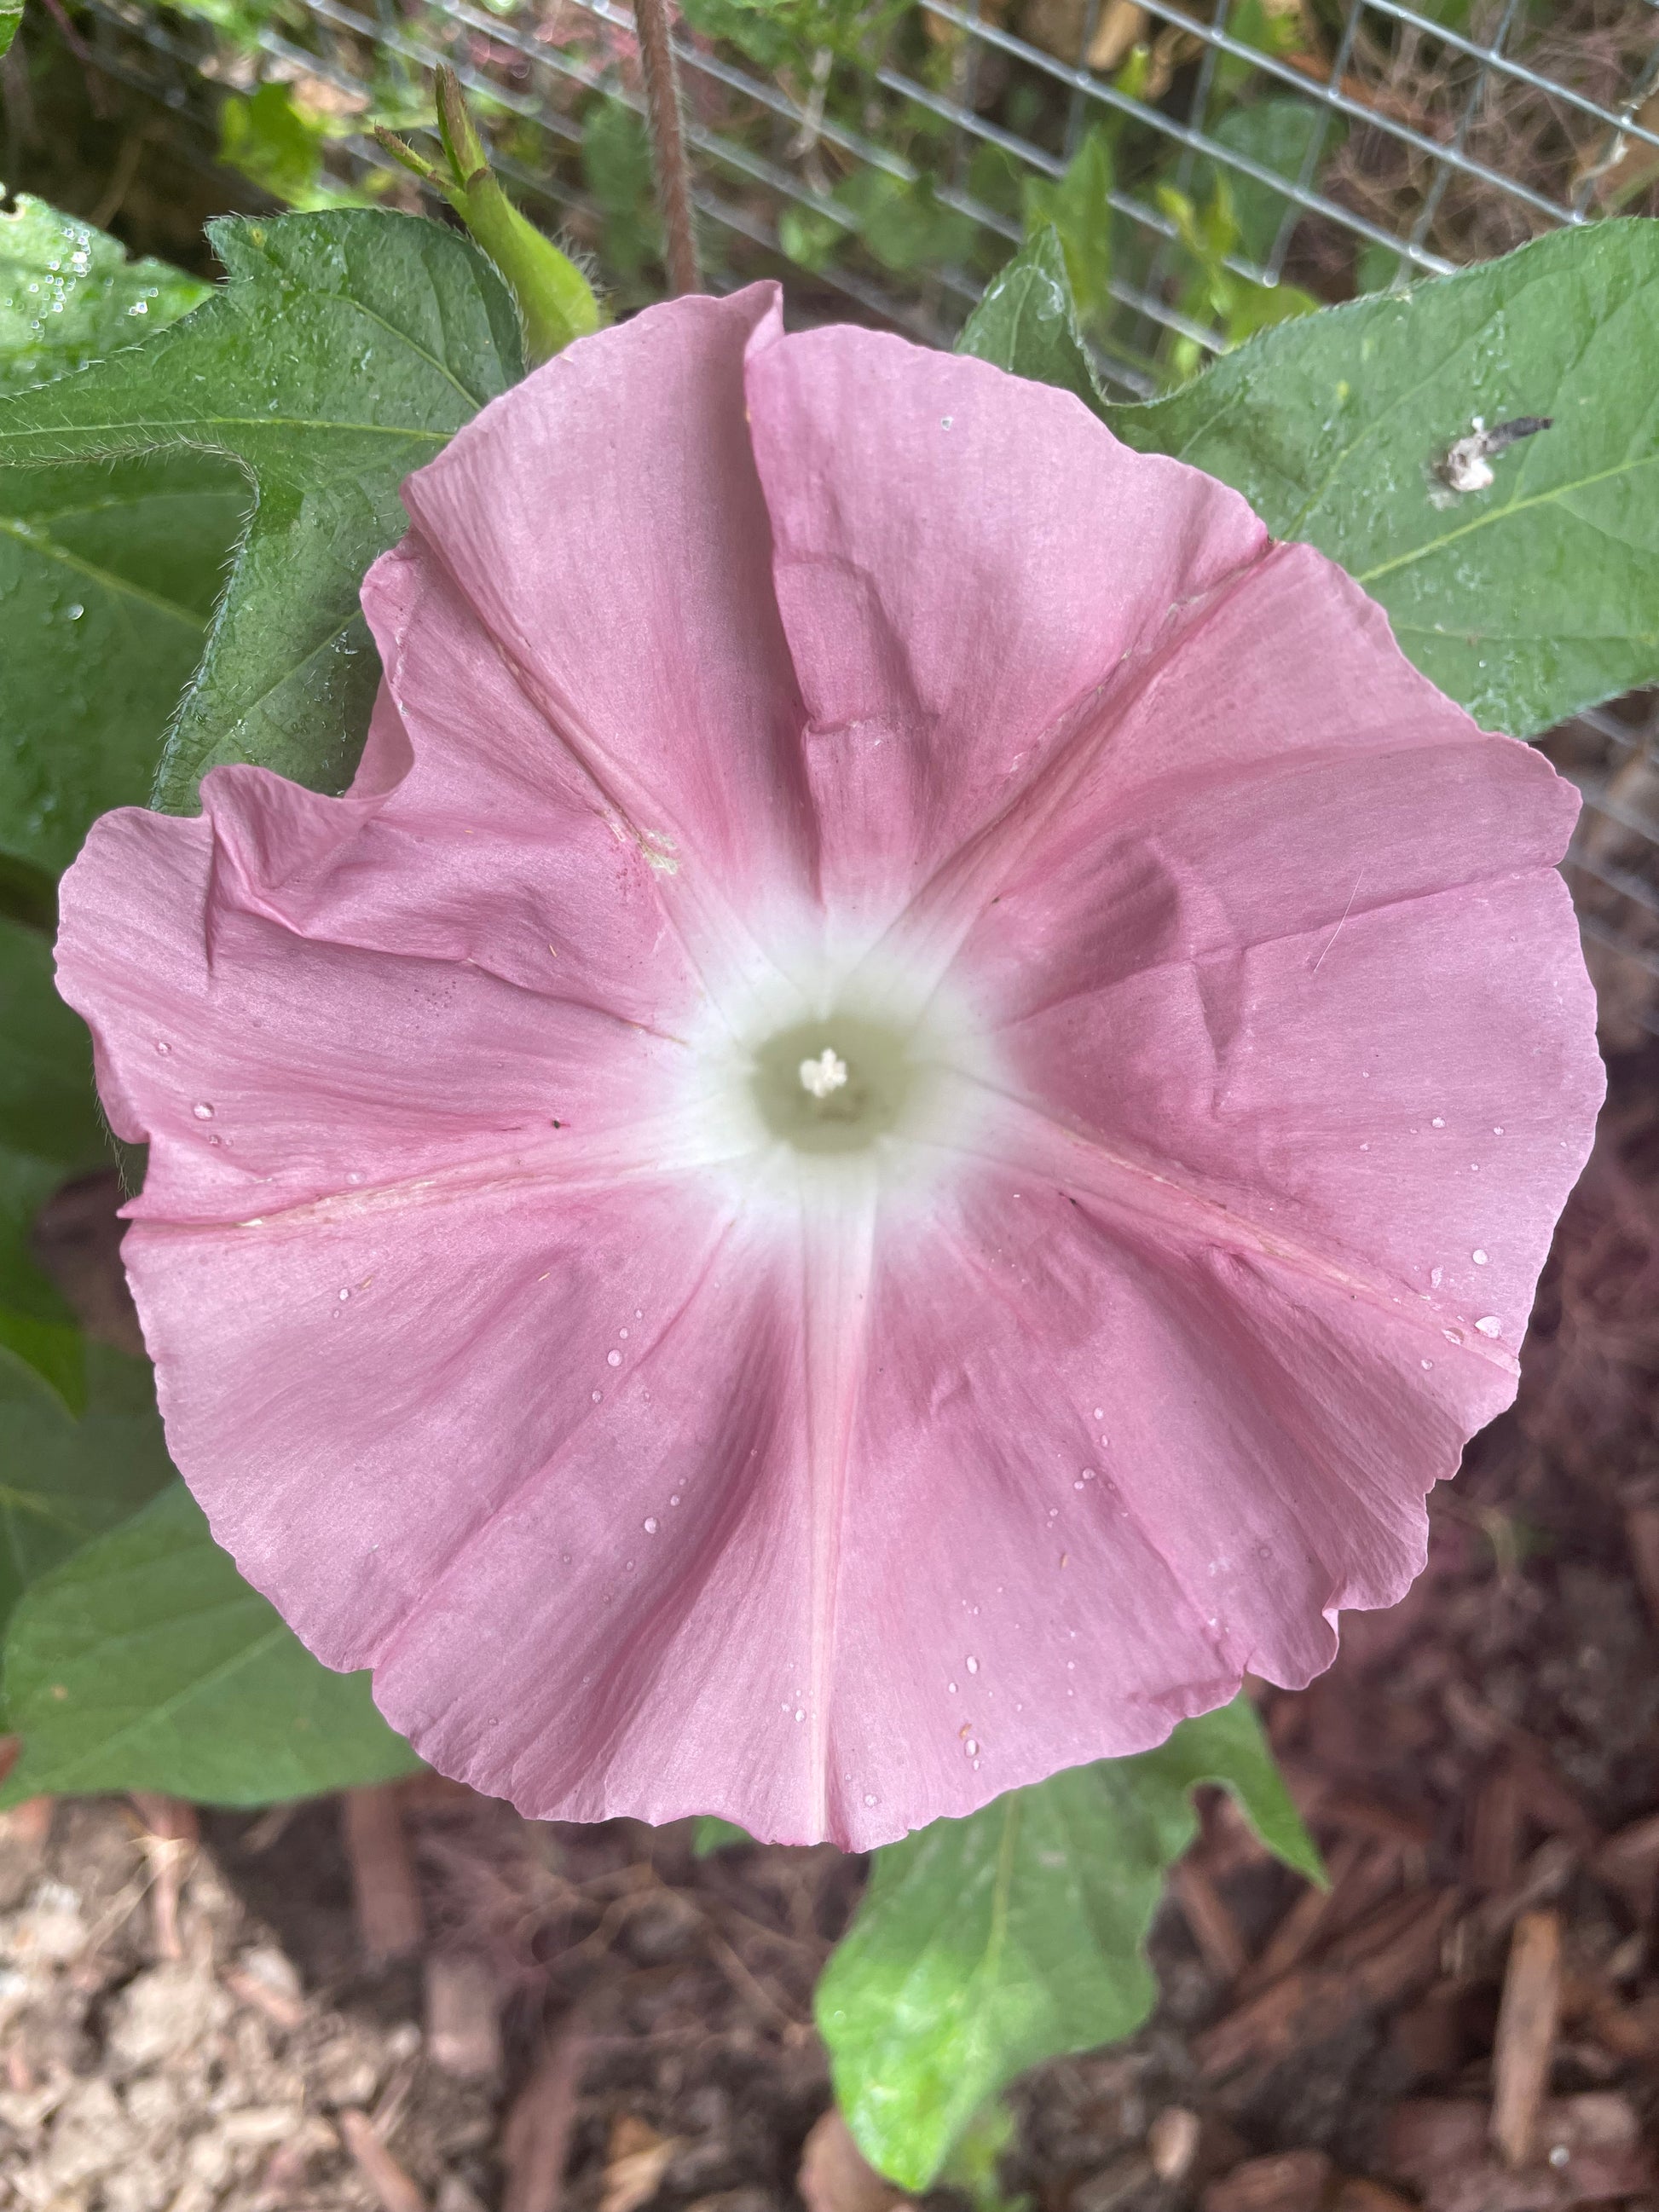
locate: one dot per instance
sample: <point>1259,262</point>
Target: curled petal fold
<point>604,521</point>
<point>936,662</point>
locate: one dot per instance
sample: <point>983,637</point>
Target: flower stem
<point>662,105</point>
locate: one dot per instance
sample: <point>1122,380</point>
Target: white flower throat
<point>827,1069</point>
<point>839,1097</point>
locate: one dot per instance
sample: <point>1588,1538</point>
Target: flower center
<point>836,1084</point>
<point>822,1075</point>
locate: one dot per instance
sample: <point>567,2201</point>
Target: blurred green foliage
<point>279,143</point>
<point>855,154</point>
<point>616,171</point>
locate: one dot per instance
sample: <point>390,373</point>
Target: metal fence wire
<point>1211,165</point>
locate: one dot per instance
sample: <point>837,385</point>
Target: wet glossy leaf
<point>985,1944</point>
<point>108,576</point>
<point>108,572</point>
<point>146,1663</point>
<point>70,295</point>
<point>1524,600</point>
<point>346,350</point>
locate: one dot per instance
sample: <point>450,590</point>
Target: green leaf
<point>985,1944</point>
<point>48,1104</point>
<point>70,295</point>
<point>146,1663</point>
<point>1077,204</point>
<point>1228,1749</point>
<point>50,1128</point>
<point>1276,135</point>
<point>974,2166</point>
<point>1026,322</point>
<point>1526,601</point>
<point>108,574</point>
<point>64,1482</point>
<point>903,222</point>
<point>11,14</point>
<point>347,349</point>
<point>711,1835</point>
<point>37,1329</point>
<point>617,169</point>
<point>278,142</point>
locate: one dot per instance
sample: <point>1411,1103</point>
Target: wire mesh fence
<point>1212,166</point>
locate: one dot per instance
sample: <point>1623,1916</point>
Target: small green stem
<point>555,302</point>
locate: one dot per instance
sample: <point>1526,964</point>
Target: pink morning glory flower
<point>912,1101</point>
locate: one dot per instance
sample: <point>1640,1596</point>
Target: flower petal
<point>828,1498</point>
<point>604,521</point>
<point>1299,945</point>
<point>961,558</point>
<point>544,1467</point>
<point>1107,1460</point>
<point>596,1589</point>
<point>270,1067</point>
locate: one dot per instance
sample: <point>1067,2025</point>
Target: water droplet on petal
<point>869,1796</point>
<point>1479,1259</point>
<point>203,1112</point>
<point>1427,1363</point>
<point>973,1666</point>
<point>597,1395</point>
<point>651,1525</point>
<point>161,1046</point>
<point>1489,1325</point>
<point>344,1295</point>
<point>1438,1122</point>
<point>613,1359</point>
<point>971,1747</point>
<point>1452,1336</point>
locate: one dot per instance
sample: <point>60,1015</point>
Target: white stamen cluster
<point>821,1076</point>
